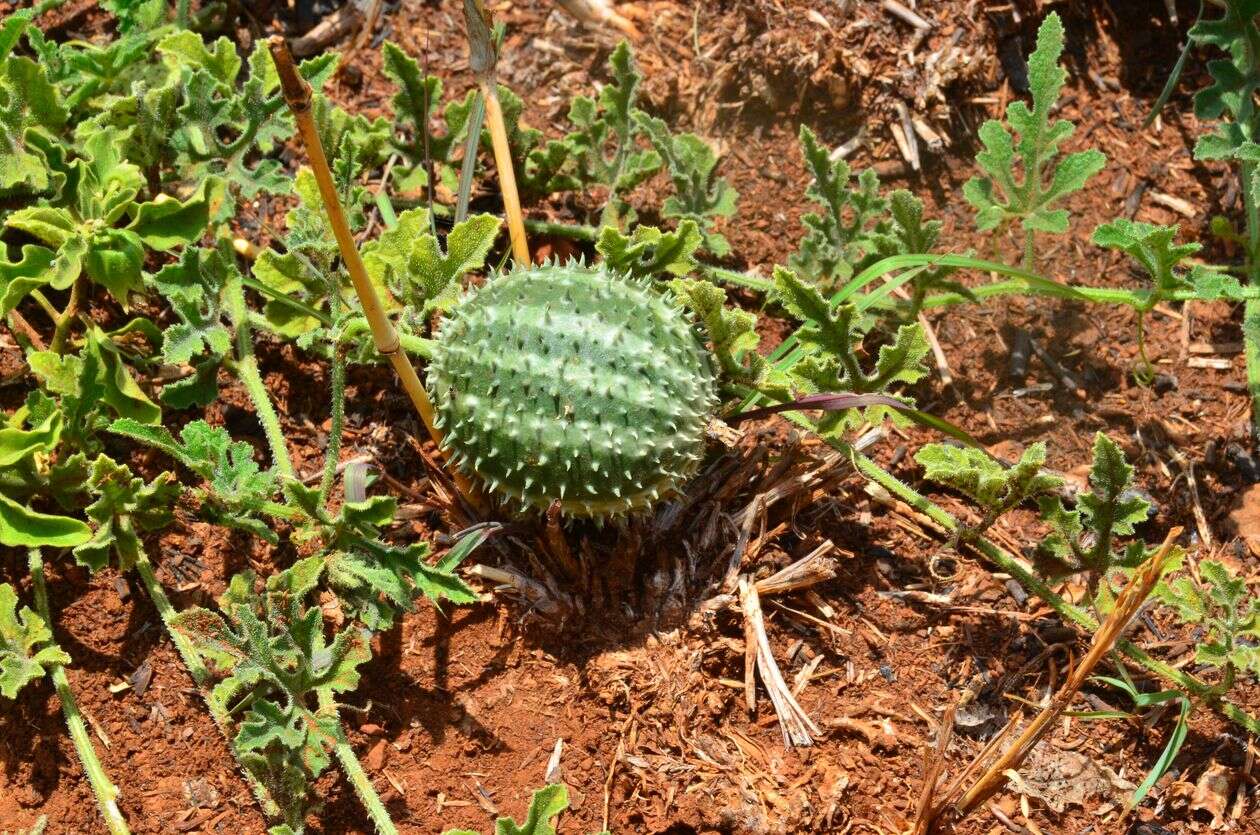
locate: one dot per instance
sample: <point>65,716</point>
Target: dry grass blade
<point>797,727</point>
<point>998,772</point>
<point>297,96</point>
<point>810,570</point>
<point>933,768</point>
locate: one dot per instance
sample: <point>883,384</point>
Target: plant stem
<point>739,279</point>
<point>192,659</point>
<point>1251,311</point>
<point>1030,250</point>
<point>199,673</point>
<point>416,345</point>
<point>1017,286</point>
<point>46,306</point>
<point>338,418</point>
<point>576,231</point>
<point>354,771</point>
<point>66,318</point>
<point>247,372</point>
<point>106,792</point>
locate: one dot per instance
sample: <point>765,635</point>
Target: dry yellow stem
<point>298,97</point>
<point>507,176</point>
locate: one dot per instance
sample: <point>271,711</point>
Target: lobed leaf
<point>26,647</point>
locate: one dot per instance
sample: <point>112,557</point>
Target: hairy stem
<point>358,777</point>
<point>249,375</point>
<point>67,317</point>
<point>739,279</point>
<point>1251,311</point>
<point>576,231</point>
<point>198,671</point>
<point>46,306</point>
<point>104,789</point>
<point>417,345</point>
<point>1251,343</point>
<point>338,418</point>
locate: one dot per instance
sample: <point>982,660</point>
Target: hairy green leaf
<point>1002,194</point>
<point>985,481</point>
<point>26,645</point>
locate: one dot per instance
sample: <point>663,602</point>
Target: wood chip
<point>907,14</point>
<point>1181,207</point>
<point>1216,347</point>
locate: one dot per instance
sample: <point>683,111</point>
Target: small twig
<point>796,725</point>
<point>297,94</point>
<point>809,570</point>
<point>1061,373</point>
<point>907,14</point>
<point>848,146</point>
<point>909,140</point>
<point>538,596</point>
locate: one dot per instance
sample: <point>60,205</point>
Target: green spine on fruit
<point>572,384</point>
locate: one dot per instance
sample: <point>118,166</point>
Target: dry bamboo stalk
<point>297,94</point>
<point>482,58</point>
<point>1127,605</point>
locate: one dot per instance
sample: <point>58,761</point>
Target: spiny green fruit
<point>571,383</point>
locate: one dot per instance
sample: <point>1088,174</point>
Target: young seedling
<point>829,362</point>
<point>99,229</point>
<point>840,240</point>
<point>1159,701</point>
<point>284,674</point>
<point>1083,539</point>
<point>699,194</point>
<point>545,806</point>
<point>24,460</point>
<point>978,476</point>
<point>1155,250</point>
<point>1228,615</point>
<point>1002,195</point>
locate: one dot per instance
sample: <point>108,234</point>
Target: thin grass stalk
<point>102,787</point>
<point>476,118</point>
<point>483,56</point>
<point>507,175</point>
